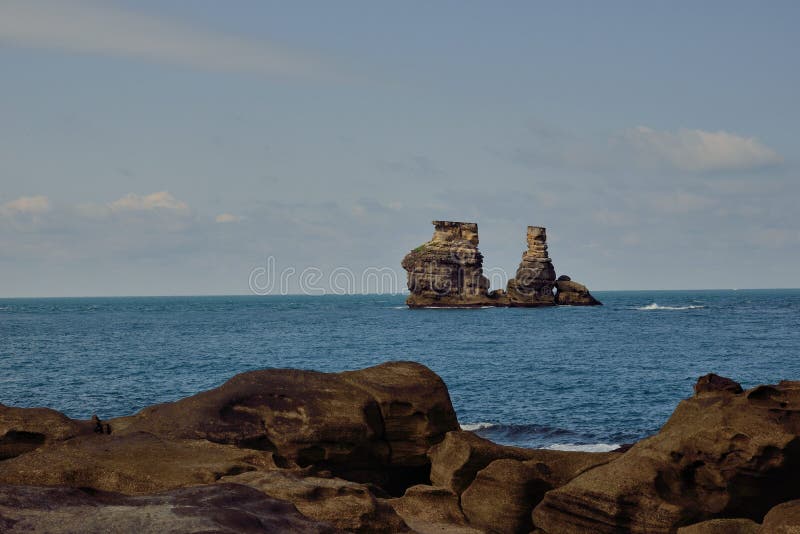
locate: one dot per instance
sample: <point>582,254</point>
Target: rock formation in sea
<point>380,450</point>
<point>447,271</point>
<point>535,278</point>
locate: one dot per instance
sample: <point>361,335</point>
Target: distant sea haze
<point>575,378</point>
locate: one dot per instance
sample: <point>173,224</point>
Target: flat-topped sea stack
<point>447,272</point>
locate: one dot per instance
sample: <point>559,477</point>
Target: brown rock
<point>719,455</point>
<point>432,510</point>
<point>501,497</point>
<point>714,383</point>
<point>415,406</point>
<point>218,508</point>
<point>535,278</point>
<point>367,425</point>
<point>456,461</point>
<point>25,429</point>
<point>569,293</point>
<point>447,271</point>
<point>346,505</point>
<point>722,526</point>
<point>133,464</point>
<point>783,519</point>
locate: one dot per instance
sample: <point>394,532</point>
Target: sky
<point>163,147</point>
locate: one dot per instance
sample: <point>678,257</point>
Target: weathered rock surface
<point>25,429</point>
<point>299,451</point>
<point>134,464</point>
<point>344,504</point>
<point>503,494</point>
<point>722,526</point>
<point>535,278</point>
<point>782,519</point>
<point>447,271</point>
<point>432,510</point>
<point>569,293</point>
<point>457,460</point>
<point>499,485</point>
<point>721,454</point>
<point>713,383</point>
<point>218,508</point>
<point>370,425</point>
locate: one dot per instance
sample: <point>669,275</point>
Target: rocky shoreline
<point>447,272</point>
<point>380,450</point>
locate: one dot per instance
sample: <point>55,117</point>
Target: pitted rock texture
<point>721,454</point>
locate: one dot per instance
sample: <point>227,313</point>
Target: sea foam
<point>590,447</point>
<point>655,306</point>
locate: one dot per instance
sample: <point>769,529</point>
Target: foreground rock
<point>373,425</point>
<point>25,429</point>
<point>134,464</point>
<point>500,485</point>
<point>432,510</point>
<point>721,454</point>
<point>783,519</point>
<point>379,450</point>
<point>447,271</point>
<point>344,504</point>
<point>219,508</point>
<point>722,526</point>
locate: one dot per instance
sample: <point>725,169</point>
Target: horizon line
<point>250,294</point>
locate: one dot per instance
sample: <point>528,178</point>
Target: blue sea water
<point>565,377</point>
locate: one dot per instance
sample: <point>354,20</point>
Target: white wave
<point>592,447</point>
<point>655,306</point>
<point>471,427</point>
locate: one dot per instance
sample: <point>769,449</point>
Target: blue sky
<point>169,147</point>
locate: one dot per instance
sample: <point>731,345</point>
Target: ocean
<point>566,377</point>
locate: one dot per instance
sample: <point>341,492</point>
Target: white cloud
<point>161,200</point>
<point>699,150</point>
<point>26,206</point>
<point>85,26</point>
<point>227,218</point>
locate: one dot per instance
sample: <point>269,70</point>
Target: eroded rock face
<point>370,425</point>
<point>432,510</point>
<point>26,429</point>
<point>722,526</point>
<point>569,293</point>
<point>448,269</point>
<point>455,461</point>
<point>499,485</point>
<point>782,519</point>
<point>535,278</point>
<point>219,508</point>
<point>344,504</point>
<point>721,454</point>
<point>135,464</point>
